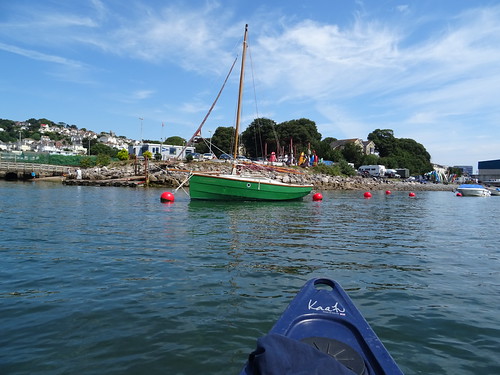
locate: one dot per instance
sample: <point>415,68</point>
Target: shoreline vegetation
<point>172,175</point>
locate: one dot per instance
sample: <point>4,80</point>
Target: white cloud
<point>35,55</point>
<point>142,94</point>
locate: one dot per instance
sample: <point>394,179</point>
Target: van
<point>372,170</point>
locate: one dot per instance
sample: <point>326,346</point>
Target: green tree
<point>455,170</point>
<point>385,142</point>
<point>261,132</point>
<point>222,140</point>
<point>370,160</point>
<point>346,169</point>
<point>201,147</point>
<point>175,141</point>
<point>122,154</point>
<point>401,152</point>
<point>101,148</point>
<point>353,153</point>
<point>324,149</point>
<point>147,154</point>
<point>303,133</point>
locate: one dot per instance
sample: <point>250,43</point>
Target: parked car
<point>195,155</point>
<point>209,156</point>
<point>225,157</point>
<point>242,158</point>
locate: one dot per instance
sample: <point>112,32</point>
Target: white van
<point>372,170</point>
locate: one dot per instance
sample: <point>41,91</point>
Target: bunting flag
<point>162,125</point>
<point>198,133</point>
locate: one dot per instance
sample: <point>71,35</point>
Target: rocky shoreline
<point>173,174</point>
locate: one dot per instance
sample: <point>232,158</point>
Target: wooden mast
<point>240,94</point>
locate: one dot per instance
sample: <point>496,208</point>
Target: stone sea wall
<point>172,175</point>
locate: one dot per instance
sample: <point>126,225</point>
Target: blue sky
<point>429,70</point>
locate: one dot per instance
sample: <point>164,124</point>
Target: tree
<point>455,170</point>
<point>370,160</point>
<point>384,140</point>
<point>353,153</point>
<point>122,154</point>
<point>260,132</point>
<point>324,149</point>
<point>175,141</point>
<point>303,133</point>
<point>147,154</point>
<point>101,148</point>
<point>401,152</point>
<point>222,140</point>
<point>264,133</point>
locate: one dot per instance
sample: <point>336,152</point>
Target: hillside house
<point>368,147</point>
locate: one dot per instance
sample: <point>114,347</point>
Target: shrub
<point>122,154</point>
<point>86,162</point>
<point>103,159</point>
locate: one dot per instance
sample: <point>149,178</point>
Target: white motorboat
<point>495,191</point>
<point>470,190</point>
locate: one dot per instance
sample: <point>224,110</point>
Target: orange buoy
<point>459,194</point>
<point>317,197</point>
<point>367,194</point>
<point>412,194</point>
<point>388,192</point>
<point>167,197</point>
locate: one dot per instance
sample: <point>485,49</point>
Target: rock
<point>172,174</point>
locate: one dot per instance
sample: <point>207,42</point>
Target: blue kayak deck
<point>323,316</point>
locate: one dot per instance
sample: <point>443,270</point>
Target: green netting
<point>45,158</point>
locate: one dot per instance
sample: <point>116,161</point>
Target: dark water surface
<point>111,281</point>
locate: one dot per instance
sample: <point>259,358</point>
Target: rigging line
<point>257,132</point>
<point>276,138</point>
<point>253,82</point>
<point>210,110</point>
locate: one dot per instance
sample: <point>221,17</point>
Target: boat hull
<point>474,191</point>
<point>495,192</point>
<point>231,187</point>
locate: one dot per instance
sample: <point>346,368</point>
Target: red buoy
<point>412,194</point>
<point>388,192</point>
<point>317,197</point>
<point>368,194</point>
<point>459,194</point>
<point>167,197</point>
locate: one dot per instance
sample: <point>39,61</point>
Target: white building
<point>166,152</point>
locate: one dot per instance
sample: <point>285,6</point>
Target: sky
<point>429,70</point>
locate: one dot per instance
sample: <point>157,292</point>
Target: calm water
<point>111,281</point>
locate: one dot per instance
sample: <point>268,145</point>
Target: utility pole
<point>140,118</point>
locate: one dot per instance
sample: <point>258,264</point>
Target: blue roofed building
<point>488,170</point>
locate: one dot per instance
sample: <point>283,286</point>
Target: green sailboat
<point>235,186</point>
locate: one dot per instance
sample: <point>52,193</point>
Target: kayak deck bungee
<point>321,332</point>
